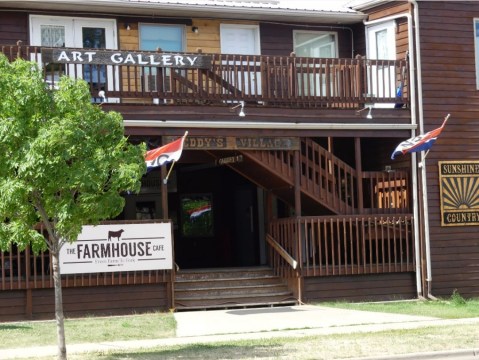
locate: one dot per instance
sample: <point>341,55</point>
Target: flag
<point>199,211</point>
<point>420,142</point>
<point>164,154</point>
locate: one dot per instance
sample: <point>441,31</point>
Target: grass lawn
<point>453,308</point>
<point>162,325</point>
<point>87,330</point>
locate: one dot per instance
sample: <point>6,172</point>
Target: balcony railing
<point>276,81</point>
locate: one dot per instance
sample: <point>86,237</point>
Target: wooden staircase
<point>328,184</point>
<point>230,288</point>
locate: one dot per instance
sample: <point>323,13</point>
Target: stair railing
<point>324,177</point>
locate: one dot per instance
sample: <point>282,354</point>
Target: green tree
<point>64,162</point>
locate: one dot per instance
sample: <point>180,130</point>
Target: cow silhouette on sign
<point>115,234</point>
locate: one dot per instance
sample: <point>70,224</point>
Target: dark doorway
<point>216,217</point>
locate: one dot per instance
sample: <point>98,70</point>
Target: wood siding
<point>449,86</point>
<point>13,27</point>
<point>378,287</point>
<point>103,300</point>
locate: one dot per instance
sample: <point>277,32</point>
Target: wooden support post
<point>297,182</point>
<point>359,174</point>
<point>164,193</point>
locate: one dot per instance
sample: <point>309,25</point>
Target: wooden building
<point>292,115</point>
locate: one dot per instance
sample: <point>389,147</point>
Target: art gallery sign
<point>459,192</point>
<point>119,247</point>
<point>130,58</point>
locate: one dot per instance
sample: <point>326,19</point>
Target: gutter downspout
<point>412,89</point>
<point>422,164</point>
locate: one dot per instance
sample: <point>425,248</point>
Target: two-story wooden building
<point>285,190</point>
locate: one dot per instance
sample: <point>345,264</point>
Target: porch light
<point>127,26</point>
<point>241,112</point>
<point>367,107</point>
<point>195,29</point>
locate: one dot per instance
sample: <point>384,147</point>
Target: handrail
<point>281,251</point>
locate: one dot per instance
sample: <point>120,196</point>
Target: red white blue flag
<point>199,211</point>
<point>420,142</point>
<point>164,154</point>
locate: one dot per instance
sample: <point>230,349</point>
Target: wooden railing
<point>259,79</point>
<point>283,263</point>
<point>326,177</point>
<point>387,192</point>
<point>346,245</point>
<point>335,184</point>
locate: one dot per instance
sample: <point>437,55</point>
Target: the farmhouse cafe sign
<point>131,58</point>
<point>119,247</point>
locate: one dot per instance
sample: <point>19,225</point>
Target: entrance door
<point>382,45</point>
<point>59,31</point>
<point>242,40</point>
<point>246,242</point>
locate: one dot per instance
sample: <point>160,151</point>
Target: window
<point>166,38</point>
<point>476,48</point>
<point>319,44</point>
<point>312,78</point>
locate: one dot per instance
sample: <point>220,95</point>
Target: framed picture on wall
<point>196,215</point>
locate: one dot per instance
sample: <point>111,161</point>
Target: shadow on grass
<point>202,351</point>
<point>15,327</point>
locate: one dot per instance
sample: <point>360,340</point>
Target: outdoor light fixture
<point>241,113</point>
<point>127,26</point>
<point>102,96</point>
<point>369,115</point>
<point>195,29</point>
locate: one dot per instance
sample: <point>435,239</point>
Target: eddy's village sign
<point>459,192</point>
<point>237,142</point>
<point>119,247</point>
<point>132,58</point>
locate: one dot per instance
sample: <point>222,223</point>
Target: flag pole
<point>165,180</point>
<point>421,163</point>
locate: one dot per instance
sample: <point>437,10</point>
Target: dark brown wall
<point>277,39</point>
<point>449,86</point>
<point>13,27</point>
<point>81,301</point>
<point>379,287</point>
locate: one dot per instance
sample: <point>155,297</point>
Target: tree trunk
<point>57,280</point>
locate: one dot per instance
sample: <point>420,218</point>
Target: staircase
<point>230,288</point>
<point>328,184</point>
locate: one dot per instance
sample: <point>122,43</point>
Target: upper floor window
<point>320,44</point>
<point>165,37</point>
<point>476,49</point>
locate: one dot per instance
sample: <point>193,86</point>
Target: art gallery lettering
<point>134,58</point>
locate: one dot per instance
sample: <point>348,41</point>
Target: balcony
<point>222,80</point>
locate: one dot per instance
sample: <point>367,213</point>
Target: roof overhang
<point>151,9</point>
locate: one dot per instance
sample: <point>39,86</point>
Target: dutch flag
<point>420,142</point>
<point>164,154</point>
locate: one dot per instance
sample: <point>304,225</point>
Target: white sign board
<point>119,247</point>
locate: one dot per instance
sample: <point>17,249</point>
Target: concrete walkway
<point>195,327</point>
